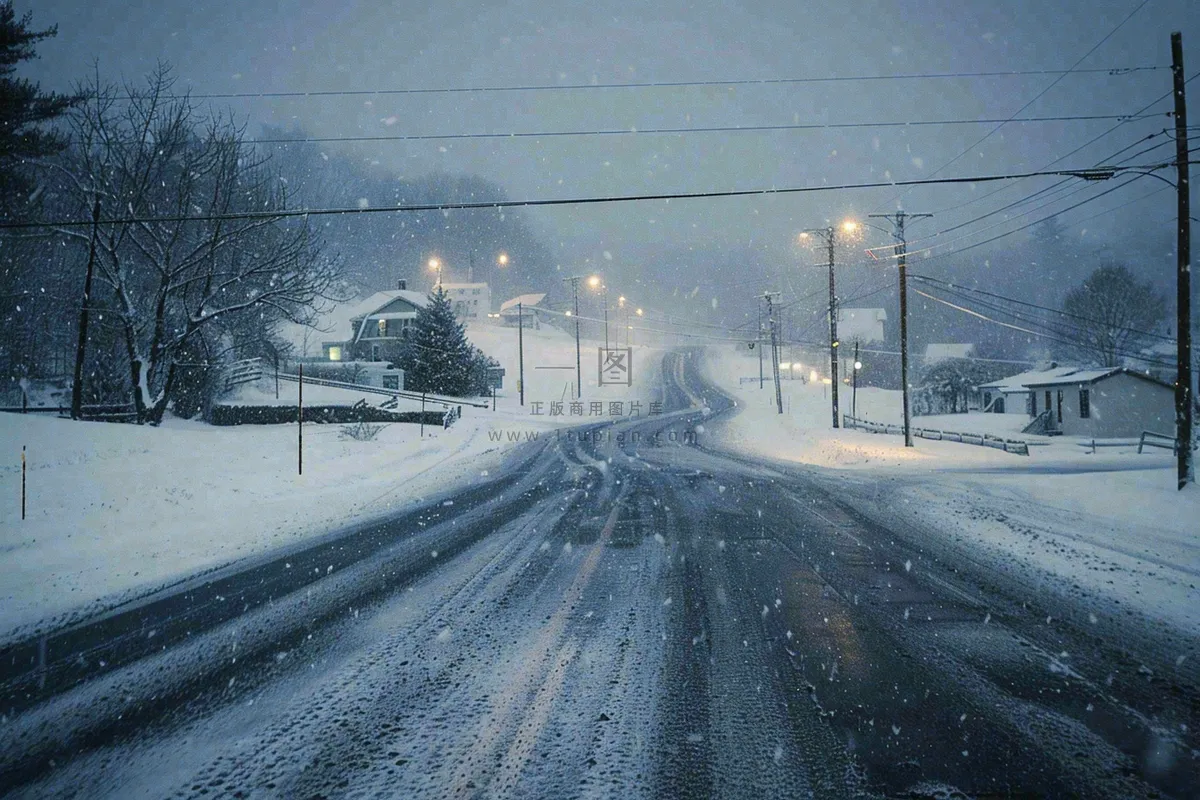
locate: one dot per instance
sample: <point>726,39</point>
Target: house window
<point>1085,403</point>
<point>391,381</point>
<point>474,291</point>
<point>335,354</point>
<point>374,352</point>
<point>382,328</point>
<point>1031,404</point>
<point>1059,393</point>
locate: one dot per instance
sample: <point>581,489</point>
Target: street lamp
<point>436,265</point>
<point>502,259</point>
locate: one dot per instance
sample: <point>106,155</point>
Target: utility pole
<point>521,352</point>
<point>897,221</point>
<point>77,386</point>
<point>605,290</point>
<point>833,337</point>
<point>574,279</point>
<point>759,342</point>
<point>1183,382</point>
<point>854,391</point>
<point>774,351</point>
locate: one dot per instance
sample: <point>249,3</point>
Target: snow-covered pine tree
<point>437,356</point>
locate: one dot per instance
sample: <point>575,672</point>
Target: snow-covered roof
<point>378,300</point>
<point>1021,381</point>
<point>1076,377</point>
<point>942,351</point>
<point>524,299</point>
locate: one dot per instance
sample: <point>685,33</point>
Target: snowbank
<point>1110,524</point>
<point>115,511</point>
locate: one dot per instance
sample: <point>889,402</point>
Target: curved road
<point>621,612</point>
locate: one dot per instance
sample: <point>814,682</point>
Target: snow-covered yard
<point>1111,523</point>
<point>117,510</point>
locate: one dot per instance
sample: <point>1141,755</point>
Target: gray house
<point>378,326</point>
<point>1103,403</point>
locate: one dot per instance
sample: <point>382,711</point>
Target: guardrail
<point>1015,446</point>
<point>1152,439</point>
<point>399,393</point>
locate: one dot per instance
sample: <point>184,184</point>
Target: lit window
<point>335,354</point>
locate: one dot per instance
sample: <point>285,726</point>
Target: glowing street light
<point>639,312</point>
<point>502,259</point>
<point>436,265</point>
<point>858,365</point>
<point>594,281</point>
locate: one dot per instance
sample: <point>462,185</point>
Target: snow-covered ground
<point>114,511</point>
<point>1110,523</point>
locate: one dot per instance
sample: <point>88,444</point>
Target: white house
<point>469,300</point>
<point>1011,395</point>
<point>1104,403</point>
<point>526,309</point>
<point>864,325</point>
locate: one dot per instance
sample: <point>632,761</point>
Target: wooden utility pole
<point>759,342</point>
<point>521,351</point>
<point>77,386</point>
<point>831,234</point>
<point>854,391</point>
<point>897,221</point>
<point>774,351</point>
<point>1184,402</point>
<point>574,279</point>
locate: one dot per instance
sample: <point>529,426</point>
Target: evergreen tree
<point>437,356</point>
<point>24,110</point>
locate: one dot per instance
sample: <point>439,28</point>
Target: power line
<point>571,87</point>
<point>1087,174</point>
<point>1060,312</point>
<point>633,131</point>
<point>1039,334</point>
<point>1036,97</point>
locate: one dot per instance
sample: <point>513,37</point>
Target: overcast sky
<point>251,46</point>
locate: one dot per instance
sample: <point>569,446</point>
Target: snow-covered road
<point>628,615</point>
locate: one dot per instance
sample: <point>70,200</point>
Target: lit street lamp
<point>436,265</point>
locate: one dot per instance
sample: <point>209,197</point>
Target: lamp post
<point>854,391</point>
<point>435,264</point>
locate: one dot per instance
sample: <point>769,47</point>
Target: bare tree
<point>1111,314</point>
<point>192,260</point>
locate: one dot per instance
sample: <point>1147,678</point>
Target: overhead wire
<point>1033,100</point>
<point>498,204</point>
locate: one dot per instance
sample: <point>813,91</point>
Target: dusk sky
<point>233,47</point>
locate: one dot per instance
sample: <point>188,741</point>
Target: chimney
<point>402,284</point>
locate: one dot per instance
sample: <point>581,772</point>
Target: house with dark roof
<point>375,328</point>
<point>1113,402</point>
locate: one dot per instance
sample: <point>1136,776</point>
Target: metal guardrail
<point>1015,446</point>
<point>441,400</point>
<point>1152,439</point>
